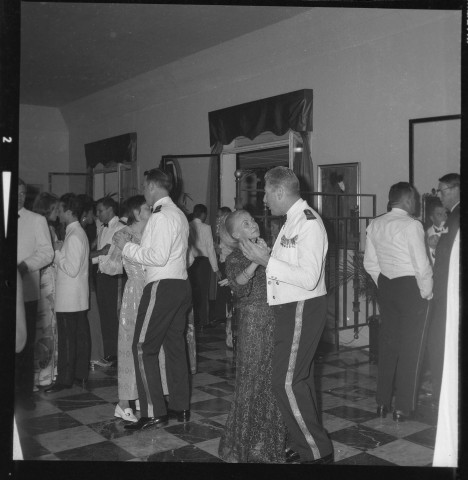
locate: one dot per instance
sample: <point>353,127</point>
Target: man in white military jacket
<point>296,291</point>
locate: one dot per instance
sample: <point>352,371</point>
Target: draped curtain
<point>278,114</point>
<point>303,165</point>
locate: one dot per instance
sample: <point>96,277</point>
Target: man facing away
<point>166,298</point>
<point>396,259</point>
<point>449,193</point>
<point>204,254</point>
<point>34,252</point>
<point>296,290</point>
<point>109,281</point>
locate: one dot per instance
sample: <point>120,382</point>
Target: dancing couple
<point>281,299</point>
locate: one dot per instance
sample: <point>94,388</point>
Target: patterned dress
<point>45,347</point>
<point>254,430</point>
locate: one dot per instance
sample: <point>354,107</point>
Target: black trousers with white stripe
<point>161,320</point>
<point>402,339</point>
<point>109,291</point>
<point>298,328</point>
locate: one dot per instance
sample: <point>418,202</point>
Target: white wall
<point>371,71</point>
<point>43,145</point>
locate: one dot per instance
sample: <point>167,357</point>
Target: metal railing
<point>344,270</point>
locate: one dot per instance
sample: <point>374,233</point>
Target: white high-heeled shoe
<point>126,414</point>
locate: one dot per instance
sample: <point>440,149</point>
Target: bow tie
<point>105,225</point>
<point>439,229</point>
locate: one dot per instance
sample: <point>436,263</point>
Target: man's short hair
<point>284,177</point>
<point>21,182</point>
<point>451,179</point>
<point>399,191</point>
<point>199,210</point>
<point>71,202</point>
<point>160,178</point>
<point>107,202</point>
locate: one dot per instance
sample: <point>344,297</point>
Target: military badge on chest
<point>289,242</point>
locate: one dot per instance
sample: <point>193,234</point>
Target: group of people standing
<point>413,299</point>
<point>280,302</point>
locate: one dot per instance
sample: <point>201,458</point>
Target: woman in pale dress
<point>45,350</point>
<point>139,213</point>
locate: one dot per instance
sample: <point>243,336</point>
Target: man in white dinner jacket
<point>71,297</point>
<point>34,252</point>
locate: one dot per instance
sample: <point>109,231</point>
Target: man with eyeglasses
<point>449,193</point>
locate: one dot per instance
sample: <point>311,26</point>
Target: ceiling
<point>71,50</point>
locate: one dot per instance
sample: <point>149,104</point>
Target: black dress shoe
<point>292,456</point>
<point>56,387</point>
<point>326,460</point>
<point>146,422</point>
<point>382,411</point>
<point>399,416</point>
<point>111,358</point>
<point>181,415</point>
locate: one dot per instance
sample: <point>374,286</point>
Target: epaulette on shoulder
<point>309,215</point>
<point>157,209</point>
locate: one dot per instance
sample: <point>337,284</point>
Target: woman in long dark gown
<point>254,430</point>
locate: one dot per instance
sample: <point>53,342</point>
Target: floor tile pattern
<point>79,423</point>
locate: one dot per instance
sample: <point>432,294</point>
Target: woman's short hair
<point>45,203</point>
<point>134,203</point>
<point>283,177</point>
<point>226,229</point>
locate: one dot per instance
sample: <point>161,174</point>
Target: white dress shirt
<point>104,237</point>
<point>163,247</point>
<point>296,269</point>
<point>71,287</point>
<point>395,247</point>
<point>201,242</point>
<point>34,249</point>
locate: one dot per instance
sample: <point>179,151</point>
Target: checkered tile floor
<point>79,424</point>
